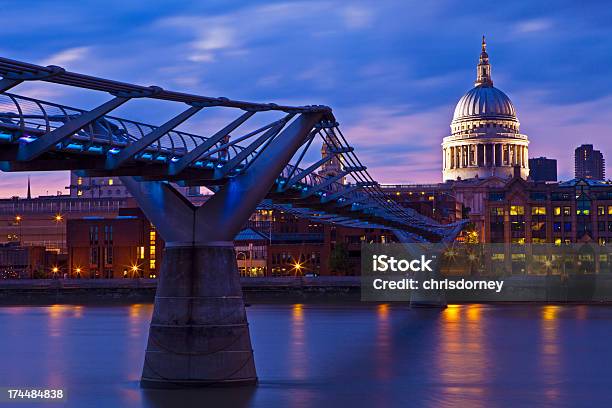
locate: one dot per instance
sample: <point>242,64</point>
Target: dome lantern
<point>483,70</point>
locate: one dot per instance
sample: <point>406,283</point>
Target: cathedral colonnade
<point>484,154</point>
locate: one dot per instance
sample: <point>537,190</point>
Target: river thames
<point>329,355</point>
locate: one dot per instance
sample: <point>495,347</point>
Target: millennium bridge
<point>199,332</point>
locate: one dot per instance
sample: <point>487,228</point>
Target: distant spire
<point>29,190</point>
<point>483,71</point>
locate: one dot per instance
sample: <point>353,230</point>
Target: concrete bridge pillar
<point>199,334</point>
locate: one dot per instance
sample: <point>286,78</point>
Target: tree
<point>339,261</point>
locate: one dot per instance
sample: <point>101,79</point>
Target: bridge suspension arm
<point>264,139</point>
<point>222,217</point>
<point>41,145</point>
<point>193,155</point>
<point>6,84</point>
<point>309,141</point>
<point>141,144</point>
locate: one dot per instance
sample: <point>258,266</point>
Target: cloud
<point>269,81</point>
<point>357,17</point>
<point>533,26</point>
<point>392,71</point>
<point>215,38</point>
<point>555,130</point>
<point>398,145</point>
<point>67,56</point>
<point>209,36</point>
<point>235,32</point>
<point>201,57</point>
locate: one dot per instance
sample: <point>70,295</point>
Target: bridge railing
<point>34,118</point>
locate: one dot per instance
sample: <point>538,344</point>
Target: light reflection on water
<point>297,344</point>
<point>462,358</point>
<point>324,355</point>
<point>384,353</point>
<point>550,353</point>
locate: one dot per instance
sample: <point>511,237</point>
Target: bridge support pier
<point>199,335</point>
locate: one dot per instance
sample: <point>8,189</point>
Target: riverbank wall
<point>281,289</point>
<point>517,289</point>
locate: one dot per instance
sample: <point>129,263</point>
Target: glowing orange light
<point>297,267</point>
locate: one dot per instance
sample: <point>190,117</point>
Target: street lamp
<point>18,221</point>
<point>297,266</point>
<point>135,270</point>
<point>58,220</point>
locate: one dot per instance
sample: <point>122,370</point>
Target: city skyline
<point>381,79</point>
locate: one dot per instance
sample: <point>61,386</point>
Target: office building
<point>543,169</point>
<point>589,163</point>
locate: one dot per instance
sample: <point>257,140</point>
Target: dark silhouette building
<point>590,164</point>
<point>543,169</point>
<point>273,243</point>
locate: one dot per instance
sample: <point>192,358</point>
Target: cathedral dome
<point>484,102</point>
<point>485,139</point>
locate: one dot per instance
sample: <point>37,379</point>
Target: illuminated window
<point>557,241</point>
<point>601,210</point>
<point>80,181</point>
<point>110,182</point>
<point>517,210</point>
<point>152,236</point>
<point>557,211</point>
<point>610,210</point>
<point>499,211</point>
<point>141,252</point>
<point>538,210</point>
<point>567,211</point>
<point>79,193</point>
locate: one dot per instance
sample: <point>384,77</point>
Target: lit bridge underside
<point>199,334</point>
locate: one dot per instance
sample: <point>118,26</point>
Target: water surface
<point>330,355</point>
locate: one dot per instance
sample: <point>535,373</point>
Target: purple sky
<point>392,70</point>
